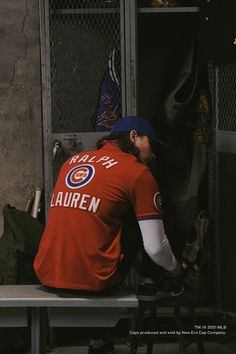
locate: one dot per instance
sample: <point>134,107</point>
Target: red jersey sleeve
<point>146,197</point>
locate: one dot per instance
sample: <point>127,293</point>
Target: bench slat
<point>35,296</point>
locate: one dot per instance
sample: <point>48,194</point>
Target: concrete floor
<point>211,348</point>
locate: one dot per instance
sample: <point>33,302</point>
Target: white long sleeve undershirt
<point>156,243</point>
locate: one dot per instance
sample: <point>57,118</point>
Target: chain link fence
<point>227,97</point>
<point>82,36</point>
<point>212,147</point>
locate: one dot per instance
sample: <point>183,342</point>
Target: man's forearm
<point>157,245</point>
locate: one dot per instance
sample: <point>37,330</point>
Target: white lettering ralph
<point>104,160</point>
<point>110,163</point>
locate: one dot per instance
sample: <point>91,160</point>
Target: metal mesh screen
<point>82,35</point>
<point>227,97</point>
<point>212,150</point>
<point>84,4</point>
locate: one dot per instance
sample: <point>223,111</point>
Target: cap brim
<point>159,142</point>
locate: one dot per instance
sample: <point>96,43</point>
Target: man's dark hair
<point>123,141</point>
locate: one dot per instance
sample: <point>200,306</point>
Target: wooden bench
<point>30,306</point>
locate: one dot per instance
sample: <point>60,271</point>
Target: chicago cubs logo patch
<point>158,201</point>
<point>79,176</point>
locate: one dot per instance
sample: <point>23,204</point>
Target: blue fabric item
<point>108,110</point>
<point>109,106</point>
<point>126,124</point>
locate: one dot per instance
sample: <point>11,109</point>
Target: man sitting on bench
<point>89,243</point>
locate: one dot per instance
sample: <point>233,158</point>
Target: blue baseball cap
<point>126,124</point>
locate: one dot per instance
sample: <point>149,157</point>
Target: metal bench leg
<point>38,331</point>
<point>138,328</point>
<point>198,340</point>
<point>180,338</point>
<point>152,327</point>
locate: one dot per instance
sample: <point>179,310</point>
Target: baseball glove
<point>163,3</point>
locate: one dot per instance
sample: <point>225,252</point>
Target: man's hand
<point>188,275</point>
<point>177,271</point>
